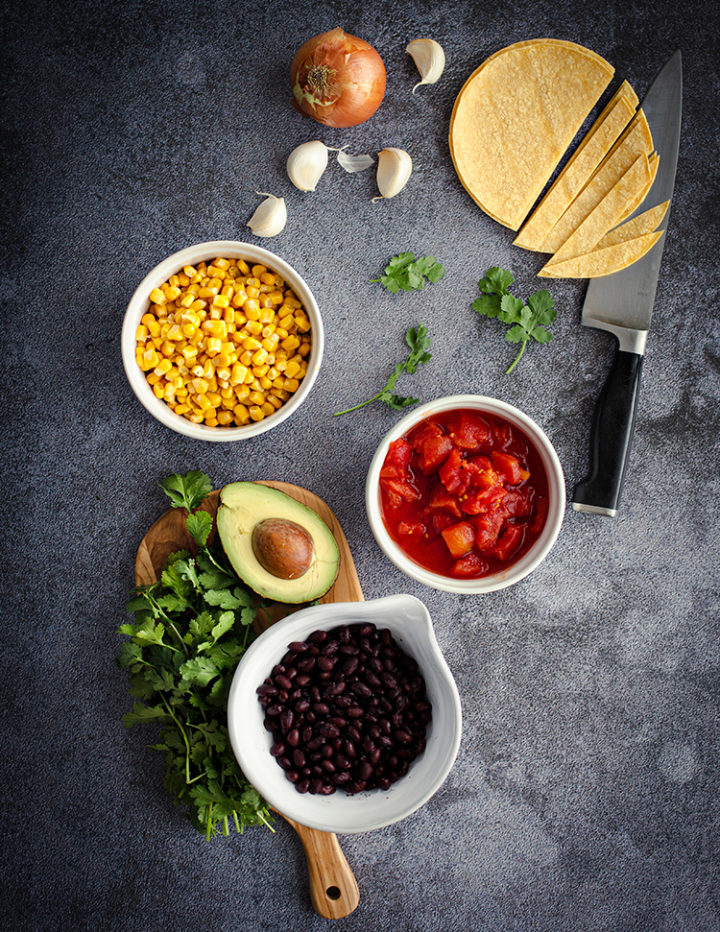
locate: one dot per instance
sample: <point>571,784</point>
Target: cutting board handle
<point>333,889</point>
<point>612,431</point>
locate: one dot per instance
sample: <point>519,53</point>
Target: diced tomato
<point>433,453</point>
<point>397,460</point>
<point>487,528</point>
<point>541,510</point>
<point>426,432</point>
<point>470,566</point>
<point>459,538</point>
<point>469,431</point>
<point>502,436</point>
<point>441,498</point>
<point>410,527</point>
<point>482,475</point>
<point>478,501</point>
<point>509,468</point>
<point>453,474</point>
<point>402,488</point>
<point>508,543</point>
<point>516,504</point>
<point>441,520</point>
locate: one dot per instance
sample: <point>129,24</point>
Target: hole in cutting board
<point>333,893</point>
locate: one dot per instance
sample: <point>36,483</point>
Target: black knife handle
<point>611,437</point>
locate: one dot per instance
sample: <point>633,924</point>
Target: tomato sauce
<point>463,493</point>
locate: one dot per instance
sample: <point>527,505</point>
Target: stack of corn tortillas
<point>512,122</point>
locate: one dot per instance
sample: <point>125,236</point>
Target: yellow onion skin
<point>337,79</point>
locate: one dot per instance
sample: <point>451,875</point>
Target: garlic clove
<point>429,57</point>
<point>306,164</point>
<point>393,171</point>
<point>270,217</point>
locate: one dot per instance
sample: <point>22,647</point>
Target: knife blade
<point>622,304</point>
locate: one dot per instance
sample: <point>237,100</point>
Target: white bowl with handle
<point>411,627</point>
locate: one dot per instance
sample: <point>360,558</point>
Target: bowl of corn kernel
<point>222,341</point>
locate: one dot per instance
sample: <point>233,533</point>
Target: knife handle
<point>611,437</point>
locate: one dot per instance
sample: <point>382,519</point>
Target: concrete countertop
<point>585,794</point>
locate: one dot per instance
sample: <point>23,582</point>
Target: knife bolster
<point>611,437</point>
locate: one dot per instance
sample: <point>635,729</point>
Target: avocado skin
<point>245,504</point>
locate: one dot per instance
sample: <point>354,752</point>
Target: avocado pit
<point>283,548</point>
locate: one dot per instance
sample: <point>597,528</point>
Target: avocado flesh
<point>244,505</point>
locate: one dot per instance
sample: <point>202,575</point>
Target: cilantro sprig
<point>528,321</point>
<point>189,632</point>
<point>419,342</point>
<point>406,273</point>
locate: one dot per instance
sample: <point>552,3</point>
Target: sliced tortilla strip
<point>516,115</point>
<point>644,223</point>
<point>604,217</point>
<point>634,203</point>
<point>636,140</point>
<point>587,157</point>
<point>603,261</point>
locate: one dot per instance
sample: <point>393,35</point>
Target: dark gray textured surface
<point>585,795</point>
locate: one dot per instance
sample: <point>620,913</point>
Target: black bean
<point>315,785</point>
<point>355,712</point>
<point>372,680</point>
<point>267,690</point>
<point>286,719</point>
<point>302,705</point>
<point>317,637</point>
<point>293,737</point>
<point>328,730</point>
<point>327,789</point>
<point>361,689</point>
<point>306,664</point>
<point>327,750</point>
<point>335,689</point>
<point>328,766</point>
<point>278,749</point>
<point>322,708</point>
<point>298,757</point>
<point>284,763</point>
<point>349,666</point>
<point>365,770</point>
<point>292,775</point>
<point>298,646</point>
<point>384,783</point>
<point>302,679</point>
<point>326,663</point>
<point>303,785</point>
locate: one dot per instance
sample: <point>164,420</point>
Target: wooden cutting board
<point>333,888</point>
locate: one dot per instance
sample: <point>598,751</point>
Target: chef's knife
<point>622,303</point>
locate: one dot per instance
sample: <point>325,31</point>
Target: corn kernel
<point>291,385</point>
<point>256,413</point>
<point>141,333</point>
<point>254,327</point>
<point>157,296</point>
<point>241,414</point>
<point>260,356</point>
<point>224,418</point>
<point>256,397</point>
<point>213,347</point>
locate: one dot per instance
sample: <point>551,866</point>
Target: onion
<point>337,79</point>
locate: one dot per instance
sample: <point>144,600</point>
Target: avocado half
<point>306,572</point>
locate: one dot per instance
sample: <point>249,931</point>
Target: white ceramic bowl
<point>556,489</point>
<point>410,624</point>
<point>140,302</point>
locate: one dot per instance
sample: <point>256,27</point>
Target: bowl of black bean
<point>345,716</point>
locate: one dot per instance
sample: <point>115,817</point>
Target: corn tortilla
<point>644,223</point>
<point>575,175</point>
<point>604,217</point>
<point>635,202</point>
<point>636,140</point>
<point>604,261</point>
<point>515,117</point>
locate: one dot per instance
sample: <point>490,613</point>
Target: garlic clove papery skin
<point>429,57</point>
<point>306,164</point>
<point>393,171</point>
<point>270,217</point>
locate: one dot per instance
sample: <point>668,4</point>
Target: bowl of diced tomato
<point>466,494</point>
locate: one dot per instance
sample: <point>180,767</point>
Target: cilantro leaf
<point>187,491</point>
<point>419,342</point>
<point>199,525</point>
<point>527,321</point>
<point>406,273</point>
